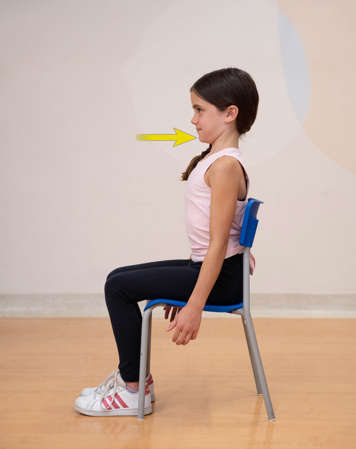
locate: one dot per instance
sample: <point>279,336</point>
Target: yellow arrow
<point>179,137</point>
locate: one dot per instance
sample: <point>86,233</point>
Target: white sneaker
<point>116,401</point>
<point>108,383</point>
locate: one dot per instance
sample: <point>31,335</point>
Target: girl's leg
<point>141,266</point>
<point>169,262</point>
<point>174,279</point>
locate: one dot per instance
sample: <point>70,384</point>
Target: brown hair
<point>222,88</point>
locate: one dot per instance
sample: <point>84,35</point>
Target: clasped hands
<point>186,320</point>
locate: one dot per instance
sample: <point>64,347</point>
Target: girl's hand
<point>173,314</point>
<point>187,324</point>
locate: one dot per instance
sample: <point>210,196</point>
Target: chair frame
<point>247,235</point>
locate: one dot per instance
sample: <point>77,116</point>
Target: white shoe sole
<point>130,412</point>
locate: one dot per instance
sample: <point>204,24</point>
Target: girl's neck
<point>222,147</point>
<point>225,141</point>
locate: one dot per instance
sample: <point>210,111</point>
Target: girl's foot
<point>108,383</point>
<point>116,401</point>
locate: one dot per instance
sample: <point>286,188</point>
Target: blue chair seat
<point>207,308</point>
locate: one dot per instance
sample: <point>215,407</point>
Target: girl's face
<point>207,119</point>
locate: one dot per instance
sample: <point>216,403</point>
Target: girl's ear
<point>233,112</point>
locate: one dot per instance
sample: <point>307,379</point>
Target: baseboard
<point>274,305</point>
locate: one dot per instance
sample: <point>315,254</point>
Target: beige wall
<point>80,196</point>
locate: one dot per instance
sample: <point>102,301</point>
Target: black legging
<point>172,279</point>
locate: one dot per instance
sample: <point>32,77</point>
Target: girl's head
<point>225,103</point>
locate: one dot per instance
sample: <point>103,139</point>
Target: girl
<point>225,106</point>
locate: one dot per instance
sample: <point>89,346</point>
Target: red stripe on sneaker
<point>115,405</point>
<point>106,405</point>
<point>121,402</point>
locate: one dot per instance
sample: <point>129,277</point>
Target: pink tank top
<point>197,209</point>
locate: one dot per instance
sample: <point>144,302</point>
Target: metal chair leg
<point>143,362</point>
<point>256,357</point>
<point>254,367</point>
<point>149,346</point>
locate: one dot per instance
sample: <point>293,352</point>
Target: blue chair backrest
<point>249,224</point>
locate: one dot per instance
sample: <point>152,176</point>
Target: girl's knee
<point>113,272</point>
<point>112,285</point>
<point>108,289</point>
<point>110,275</point>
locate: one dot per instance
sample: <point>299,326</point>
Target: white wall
<point>80,196</point>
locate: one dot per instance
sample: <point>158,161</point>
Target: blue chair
<point>247,236</point>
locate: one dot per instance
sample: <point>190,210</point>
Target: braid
<point>193,163</point>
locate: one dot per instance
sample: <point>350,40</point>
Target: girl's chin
<point>204,140</point>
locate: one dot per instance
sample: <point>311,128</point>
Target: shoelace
<point>108,383</point>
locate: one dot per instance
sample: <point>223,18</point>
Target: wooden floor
<point>205,391</point>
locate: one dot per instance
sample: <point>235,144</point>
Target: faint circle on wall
<point>295,67</point>
<point>280,72</point>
